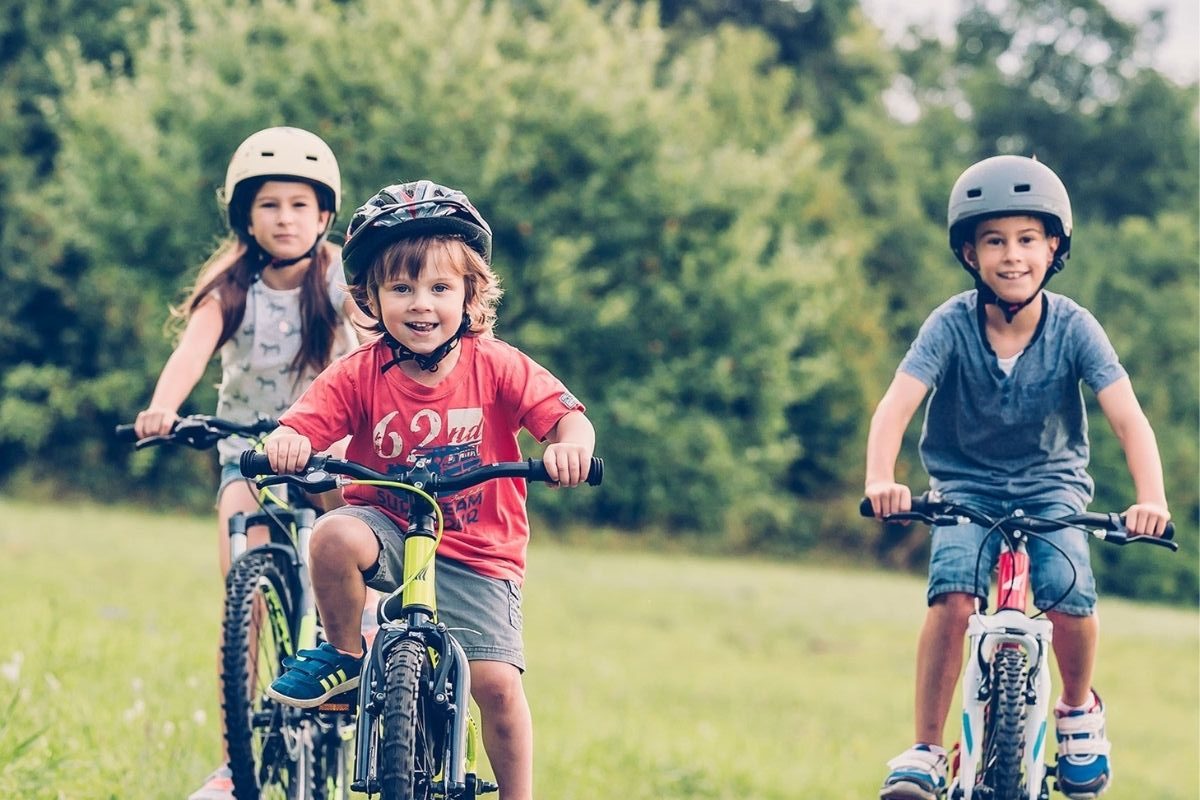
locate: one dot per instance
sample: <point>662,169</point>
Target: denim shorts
<point>1062,580</point>
<point>229,473</point>
<point>483,612</point>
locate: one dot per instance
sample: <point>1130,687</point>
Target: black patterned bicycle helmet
<point>1007,186</point>
<point>409,210</point>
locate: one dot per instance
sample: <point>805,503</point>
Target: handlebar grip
<point>253,464</point>
<point>126,433</point>
<point>537,471</point>
<point>1169,532</point>
<point>865,508</point>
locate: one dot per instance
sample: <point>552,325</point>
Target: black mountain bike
<point>415,738</point>
<point>275,751</point>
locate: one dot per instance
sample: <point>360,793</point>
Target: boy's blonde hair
<point>407,257</point>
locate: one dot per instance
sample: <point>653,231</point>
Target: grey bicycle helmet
<point>281,154</point>
<point>409,210</point>
<point>1005,186</point>
<point>1009,186</point>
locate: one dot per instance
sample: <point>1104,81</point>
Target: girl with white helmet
<point>271,301</point>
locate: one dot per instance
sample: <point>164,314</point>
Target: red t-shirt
<point>471,417</point>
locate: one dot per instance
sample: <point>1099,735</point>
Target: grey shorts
<point>483,612</point>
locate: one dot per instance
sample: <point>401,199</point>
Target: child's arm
<point>183,369</point>
<point>1148,514</point>
<point>287,449</point>
<point>568,457</point>
<point>888,423</point>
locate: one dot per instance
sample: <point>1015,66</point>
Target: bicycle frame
<point>451,684</point>
<point>1008,627</point>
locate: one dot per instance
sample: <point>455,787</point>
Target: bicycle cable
<point>437,511</point>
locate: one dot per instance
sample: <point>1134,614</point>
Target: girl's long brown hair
<point>230,271</point>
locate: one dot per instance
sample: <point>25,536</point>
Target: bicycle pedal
<point>346,703</point>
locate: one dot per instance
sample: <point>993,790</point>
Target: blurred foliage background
<point>720,222</point>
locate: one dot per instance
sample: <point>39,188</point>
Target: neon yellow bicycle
<point>415,738</point>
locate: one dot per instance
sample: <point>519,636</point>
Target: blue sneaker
<point>1082,768</point>
<point>916,774</point>
<point>314,676</point>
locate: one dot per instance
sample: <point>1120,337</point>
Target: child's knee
<point>496,685</point>
<point>339,540</point>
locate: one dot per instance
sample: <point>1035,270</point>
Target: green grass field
<point>652,675</point>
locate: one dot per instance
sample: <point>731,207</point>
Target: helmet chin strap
<point>1010,310</point>
<point>263,259</point>
<point>428,362</point>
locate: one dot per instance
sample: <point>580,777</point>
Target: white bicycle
<point>1006,681</point>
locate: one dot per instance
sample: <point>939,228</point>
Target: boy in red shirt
<point>436,385</point>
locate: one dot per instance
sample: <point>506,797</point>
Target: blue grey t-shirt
<point>1021,436</point>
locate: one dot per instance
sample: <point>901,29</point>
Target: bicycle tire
<point>1004,746</point>
<point>412,746</point>
<point>259,614</point>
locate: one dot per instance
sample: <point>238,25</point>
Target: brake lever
<point>314,482</point>
<point>1170,544</point>
<point>150,441</point>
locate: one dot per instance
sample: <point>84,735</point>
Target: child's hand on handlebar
<point>287,450</point>
<point>567,463</point>
<point>1147,519</point>
<point>888,497</point>
<point>154,421</point>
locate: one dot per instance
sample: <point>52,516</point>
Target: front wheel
<point>266,757</point>
<point>1004,728</point>
<point>413,735</point>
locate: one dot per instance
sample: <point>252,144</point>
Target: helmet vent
<point>311,158</point>
<point>974,192</point>
<point>1021,187</point>
<point>267,154</point>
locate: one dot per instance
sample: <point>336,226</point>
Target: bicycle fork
<point>987,634</point>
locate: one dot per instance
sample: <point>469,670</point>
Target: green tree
<point>671,243</point>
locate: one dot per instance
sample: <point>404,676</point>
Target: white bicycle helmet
<point>281,153</point>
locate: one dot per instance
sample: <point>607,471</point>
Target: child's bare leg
<point>507,726</point>
<point>342,547</point>
<point>939,662</point>
<point>1075,641</point>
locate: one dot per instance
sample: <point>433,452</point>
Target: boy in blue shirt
<point>1006,428</point>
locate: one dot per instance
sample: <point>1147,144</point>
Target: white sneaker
<point>1082,769</point>
<point>916,774</point>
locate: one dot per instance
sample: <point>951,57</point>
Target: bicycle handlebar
<point>317,473</point>
<point>939,512</point>
<point>200,431</point>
